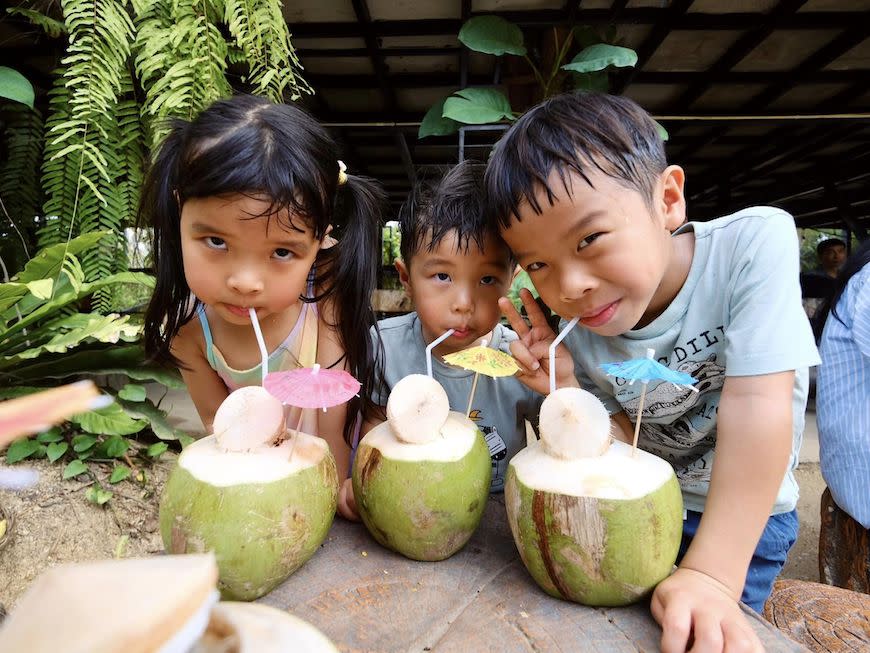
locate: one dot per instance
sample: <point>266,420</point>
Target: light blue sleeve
<point>768,330</point>
<point>380,392</point>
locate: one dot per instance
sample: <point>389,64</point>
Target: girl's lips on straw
<point>602,317</point>
<point>237,310</point>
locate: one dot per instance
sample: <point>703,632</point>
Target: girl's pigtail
<point>160,209</point>
<point>354,271</point>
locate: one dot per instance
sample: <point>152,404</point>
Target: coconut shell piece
<point>823,618</point>
<point>109,606</point>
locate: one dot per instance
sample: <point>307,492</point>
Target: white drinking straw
<point>264,355</point>
<point>564,332</point>
<point>432,346</point>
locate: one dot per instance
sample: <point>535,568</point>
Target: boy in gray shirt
<point>454,269</point>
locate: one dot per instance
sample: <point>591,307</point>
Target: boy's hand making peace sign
<point>531,350</point>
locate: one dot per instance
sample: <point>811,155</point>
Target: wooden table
<point>366,598</point>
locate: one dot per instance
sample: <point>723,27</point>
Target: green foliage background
<point>128,67</point>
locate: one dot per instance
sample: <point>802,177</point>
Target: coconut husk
<point>110,606</point>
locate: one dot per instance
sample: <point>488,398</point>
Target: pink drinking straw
<point>564,332</point>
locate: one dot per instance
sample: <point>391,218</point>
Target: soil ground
<point>52,522</point>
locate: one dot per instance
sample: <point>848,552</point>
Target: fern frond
<point>260,30</point>
<point>180,58</point>
<point>54,28</point>
<point>19,189</point>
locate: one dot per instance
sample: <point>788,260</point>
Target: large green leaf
<point>478,106</point>
<point>120,359</point>
<point>155,417</point>
<point>21,449</point>
<point>492,35</point>
<point>14,86</point>
<point>111,420</point>
<point>47,262</point>
<point>74,468</point>
<point>10,293</point>
<point>601,56</point>
<point>435,124</point>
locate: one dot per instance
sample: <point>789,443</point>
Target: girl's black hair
<point>250,146</point>
<point>851,267</point>
<point>579,133</point>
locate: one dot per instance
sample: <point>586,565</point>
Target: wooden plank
<point>366,598</point>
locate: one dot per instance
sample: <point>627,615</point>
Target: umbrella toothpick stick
<point>432,346</point>
<point>296,434</point>
<point>637,422</point>
<point>264,355</point>
<point>552,351</point>
<point>474,385</point>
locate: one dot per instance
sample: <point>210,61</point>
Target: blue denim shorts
<point>778,537</point>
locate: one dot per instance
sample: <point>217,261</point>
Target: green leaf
<point>132,392</point>
<point>53,434</point>
<point>478,106</point>
<point>98,495</point>
<point>157,449</point>
<point>600,56</point>
<point>435,124</point>
<point>14,86</point>
<point>74,468</point>
<point>116,447</point>
<point>111,420</point>
<point>21,449</point>
<point>663,133</point>
<point>492,35</point>
<point>119,474</point>
<point>48,261</point>
<point>598,81</point>
<point>41,289</point>
<point>155,417</point>
<point>56,449</point>
<point>83,442</point>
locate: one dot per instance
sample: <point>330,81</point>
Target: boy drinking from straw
<point>454,269</point>
<point>582,194</point>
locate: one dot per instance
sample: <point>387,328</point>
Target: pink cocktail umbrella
<point>312,387</point>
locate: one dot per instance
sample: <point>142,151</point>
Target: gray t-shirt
<point>500,406</point>
<point>739,313</point>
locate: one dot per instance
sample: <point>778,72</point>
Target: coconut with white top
<point>261,498</point>
<point>421,479</point>
<point>592,522</point>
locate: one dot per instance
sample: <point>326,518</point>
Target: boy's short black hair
<point>451,202</point>
<point>827,244</point>
<point>573,133</point>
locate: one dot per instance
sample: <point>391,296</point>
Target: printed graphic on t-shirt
<point>678,424</point>
<point>497,448</point>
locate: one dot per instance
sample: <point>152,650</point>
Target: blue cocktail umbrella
<point>646,370</point>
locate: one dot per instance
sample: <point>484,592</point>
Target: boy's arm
<point>205,387</point>
<point>752,450</point>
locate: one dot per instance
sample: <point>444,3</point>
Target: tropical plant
<point>590,68</point>
<point>129,67</point>
<point>45,341</point>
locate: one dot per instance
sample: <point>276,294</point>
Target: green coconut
<point>602,529</point>
<point>423,500</point>
<point>263,512</point>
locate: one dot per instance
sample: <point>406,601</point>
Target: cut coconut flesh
<point>256,628</point>
<point>614,475</point>
<point>417,409</point>
<point>423,500</point>
<point>261,513</point>
<point>248,418</point>
<point>574,424</point>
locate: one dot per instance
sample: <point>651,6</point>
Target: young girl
<point>251,208</point>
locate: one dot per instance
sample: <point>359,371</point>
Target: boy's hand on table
<point>346,501</point>
<point>531,350</point>
<point>699,614</point>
